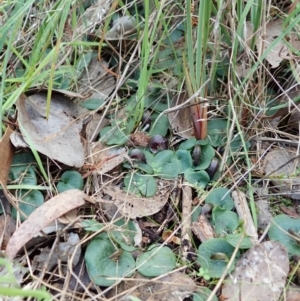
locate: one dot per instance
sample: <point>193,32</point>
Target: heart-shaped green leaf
<point>286,230</point>
<point>185,158</point>
<point>197,178</point>
<point>220,197</point>
<point>188,144</point>
<point>234,240</point>
<point>208,259</point>
<point>207,154</point>
<point>102,264</point>
<point>140,184</point>
<point>166,165</point>
<point>124,234</point>
<point>93,104</point>
<point>217,131</point>
<point>225,221</point>
<point>155,262</point>
<point>23,169</point>
<point>160,126</point>
<point>70,179</point>
<point>202,294</point>
<point>29,201</point>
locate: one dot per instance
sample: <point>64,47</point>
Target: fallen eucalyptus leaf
<point>57,137</point>
<point>43,216</point>
<point>132,206</point>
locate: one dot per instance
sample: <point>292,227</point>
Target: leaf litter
<point>65,137</point>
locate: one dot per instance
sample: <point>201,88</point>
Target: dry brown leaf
<point>186,232</point>
<point>59,136</point>
<point>104,159</point>
<point>181,121</point>
<point>132,206</point>
<point>279,51</point>
<point>62,253</point>
<point>203,229</point>
<point>290,212</point>
<point>97,123</point>
<point>7,224</point>
<point>70,217</point>
<point>96,80</point>
<point>121,27</point>
<point>168,236</point>
<point>43,216</point>
<point>243,211</point>
<point>7,151</point>
<point>294,118</point>
<point>138,139</point>
<point>285,178</point>
<point>7,228</point>
<point>92,17</point>
<point>173,287</point>
<point>260,274</point>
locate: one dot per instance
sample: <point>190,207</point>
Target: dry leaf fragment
<point>244,214</point>
<point>57,137</point>
<point>181,121</point>
<point>132,206</point>
<point>96,80</point>
<point>285,178</point>
<point>173,287</point>
<point>260,274</point>
<point>63,253</point>
<point>7,228</point>
<point>279,51</point>
<point>43,216</point>
<point>203,229</point>
<point>138,139</point>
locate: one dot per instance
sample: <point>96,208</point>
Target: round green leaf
<point>207,154</point>
<point>23,169</point>
<point>101,266</point>
<point>140,184</point>
<point>198,178</point>
<point>91,225</point>
<point>285,230</point>
<point>236,144</point>
<point>234,239</point>
<point>70,179</point>
<point>149,156</point>
<point>185,158</point>
<point>207,256</point>
<point>161,159</point>
<point>166,165</point>
<point>157,261</point>
<point>160,126</point>
<point>124,234</point>
<point>188,144</point>
<point>93,104</point>
<point>202,295</point>
<point>171,170</point>
<point>29,201</point>
<point>220,197</point>
<point>112,136</point>
<point>141,166</point>
<point>217,131</point>
<point>225,221</point>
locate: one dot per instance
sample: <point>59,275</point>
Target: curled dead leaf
<point>43,216</point>
<point>132,206</point>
